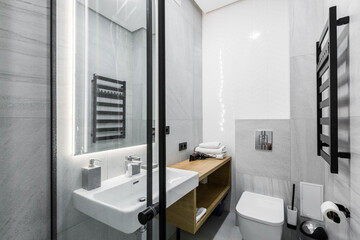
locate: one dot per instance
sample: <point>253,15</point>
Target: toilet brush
<point>292,212</point>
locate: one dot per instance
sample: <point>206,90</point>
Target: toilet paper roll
<point>331,211</point>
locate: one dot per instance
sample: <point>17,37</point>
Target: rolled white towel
<point>217,156</point>
<point>211,145</point>
<point>220,150</point>
<point>200,212</point>
<point>220,156</point>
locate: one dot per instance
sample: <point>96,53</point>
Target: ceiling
<point>211,5</point>
<point>130,14</point>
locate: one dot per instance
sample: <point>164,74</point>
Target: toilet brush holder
<point>291,217</point>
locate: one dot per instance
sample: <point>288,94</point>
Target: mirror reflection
<point>110,75</point>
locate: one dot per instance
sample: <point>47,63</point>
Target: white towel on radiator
<point>200,212</point>
<point>211,145</point>
<point>220,150</point>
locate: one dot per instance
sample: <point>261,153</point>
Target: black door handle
<point>148,214</point>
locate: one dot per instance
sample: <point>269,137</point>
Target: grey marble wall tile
<point>354,11</point>
<point>114,234</point>
<point>355,173</point>
<point>355,135</point>
<point>179,38</point>
<point>355,216</point>
<point>179,93</point>
<point>184,63</point>
<point>342,6</point>
<point>37,5</point>
<point>302,85</point>
<point>189,131</point>
<point>305,164</point>
<point>24,65</point>
<point>197,17</point>
<point>24,120</point>
<point>90,229</point>
<point>197,105</point>
<point>197,71</point>
<point>306,24</point>
<point>337,186</point>
<point>24,178</point>
<point>275,163</point>
<point>197,134</point>
<point>264,185</point>
<point>170,229</point>
<point>183,33</point>
<point>139,38</point>
<point>24,41</point>
<point>188,10</point>
<point>24,99</point>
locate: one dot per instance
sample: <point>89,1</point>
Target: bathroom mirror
<point>110,75</point>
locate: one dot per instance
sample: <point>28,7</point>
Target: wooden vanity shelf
<point>182,214</point>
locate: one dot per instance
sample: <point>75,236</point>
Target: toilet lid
<point>261,208</point>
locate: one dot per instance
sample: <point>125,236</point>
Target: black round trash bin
<point>311,230</point>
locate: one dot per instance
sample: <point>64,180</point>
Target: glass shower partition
<point>104,71</point>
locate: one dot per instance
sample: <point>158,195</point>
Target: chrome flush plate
<point>263,140</point>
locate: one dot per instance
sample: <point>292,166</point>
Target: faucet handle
<point>92,162</point>
<point>132,157</point>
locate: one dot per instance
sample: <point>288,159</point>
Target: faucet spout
<point>132,165</point>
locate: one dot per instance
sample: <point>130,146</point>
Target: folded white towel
<point>200,212</point>
<point>220,150</point>
<point>211,145</point>
<point>218,156</point>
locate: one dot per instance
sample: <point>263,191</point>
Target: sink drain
<point>142,199</point>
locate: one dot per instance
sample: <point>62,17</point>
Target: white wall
<point>245,67</point>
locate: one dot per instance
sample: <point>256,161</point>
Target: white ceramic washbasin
<point>116,203</point>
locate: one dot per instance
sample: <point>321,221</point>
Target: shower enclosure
<point>108,103</point>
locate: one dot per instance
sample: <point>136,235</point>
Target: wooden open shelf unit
<point>182,213</point>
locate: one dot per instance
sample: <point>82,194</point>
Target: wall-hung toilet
<point>260,217</point>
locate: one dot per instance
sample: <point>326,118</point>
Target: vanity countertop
<point>203,167</point>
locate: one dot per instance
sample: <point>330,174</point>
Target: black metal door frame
<point>162,120</point>
<point>149,110</point>
<point>53,157</point>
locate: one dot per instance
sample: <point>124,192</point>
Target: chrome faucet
<point>132,165</point>
<point>132,158</point>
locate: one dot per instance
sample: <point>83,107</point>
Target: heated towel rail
<point>327,92</point>
<point>109,108</point>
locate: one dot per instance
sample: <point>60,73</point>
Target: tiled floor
<point>218,228</point>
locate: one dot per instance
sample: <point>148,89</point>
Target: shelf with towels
<point>182,213</point>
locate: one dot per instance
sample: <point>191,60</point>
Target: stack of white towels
<point>213,149</point>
